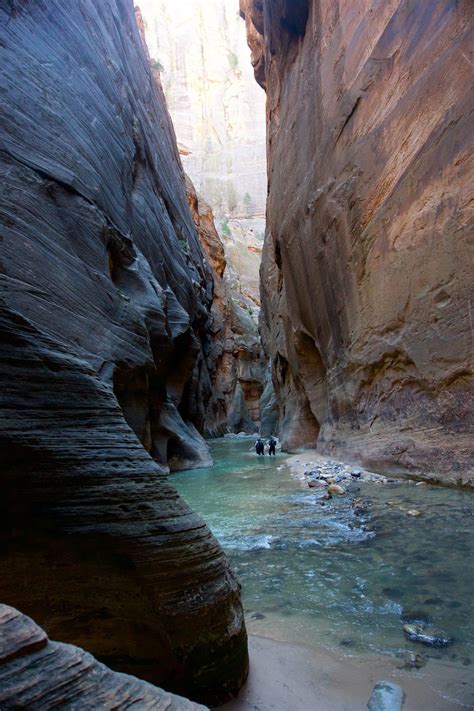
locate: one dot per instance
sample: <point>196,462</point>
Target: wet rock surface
<point>386,696</point>
<point>37,673</point>
<point>428,636</point>
<point>105,327</point>
<point>364,299</point>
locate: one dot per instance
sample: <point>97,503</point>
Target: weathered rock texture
<point>218,111</point>
<point>105,323</point>
<point>200,56</point>
<point>234,358</point>
<point>38,674</point>
<point>366,276</point>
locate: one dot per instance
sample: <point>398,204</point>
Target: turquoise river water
<point>319,575</point>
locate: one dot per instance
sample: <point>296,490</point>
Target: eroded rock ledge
<point>105,319</point>
<point>37,673</point>
<point>365,276</point>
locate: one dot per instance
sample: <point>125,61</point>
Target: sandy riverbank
<point>287,677</point>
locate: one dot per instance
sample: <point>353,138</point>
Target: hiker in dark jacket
<point>259,446</point>
<point>272,445</point>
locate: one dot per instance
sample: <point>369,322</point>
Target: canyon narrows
<point>107,357</point>
<point>135,209</point>
<point>366,278</point>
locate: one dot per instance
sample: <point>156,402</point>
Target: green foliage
<point>233,60</point>
<point>156,64</point>
<point>248,204</point>
<point>184,245</point>
<point>225,228</point>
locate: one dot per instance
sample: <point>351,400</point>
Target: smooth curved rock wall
<point>366,279</point>
<point>105,320</point>
<point>36,673</point>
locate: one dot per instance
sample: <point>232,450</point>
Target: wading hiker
<point>272,446</point>
<point>259,446</point>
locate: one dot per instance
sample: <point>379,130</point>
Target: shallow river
<point>319,575</point>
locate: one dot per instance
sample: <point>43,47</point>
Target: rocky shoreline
<point>335,478</point>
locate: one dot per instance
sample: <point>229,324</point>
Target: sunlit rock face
<point>365,275</point>
<point>235,359</point>
<point>200,54</point>
<point>105,324</point>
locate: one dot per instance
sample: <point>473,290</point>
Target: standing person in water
<point>272,446</point>
<point>259,446</point>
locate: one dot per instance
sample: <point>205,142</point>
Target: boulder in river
<point>428,636</point>
<point>336,489</point>
<point>386,696</point>
<point>413,512</point>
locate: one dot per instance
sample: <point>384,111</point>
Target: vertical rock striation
<point>105,312</point>
<point>366,282</point>
<point>235,357</point>
<point>200,55</point>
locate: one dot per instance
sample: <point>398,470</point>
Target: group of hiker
<point>260,446</point>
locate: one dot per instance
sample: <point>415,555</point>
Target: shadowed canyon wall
<point>366,279</point>
<point>106,329</point>
<point>37,673</point>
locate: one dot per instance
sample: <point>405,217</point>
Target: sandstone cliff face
<point>217,109</point>
<point>36,673</point>
<point>365,276</point>
<point>234,359</point>
<point>218,112</point>
<point>106,321</point>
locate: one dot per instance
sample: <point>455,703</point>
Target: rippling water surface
<point>321,576</point>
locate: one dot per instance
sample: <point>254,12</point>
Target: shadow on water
<point>317,574</point>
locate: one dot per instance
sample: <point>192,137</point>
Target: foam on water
<point>318,573</point>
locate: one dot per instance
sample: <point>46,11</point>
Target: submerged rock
<point>415,617</point>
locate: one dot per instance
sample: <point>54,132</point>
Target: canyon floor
<point>286,677</point>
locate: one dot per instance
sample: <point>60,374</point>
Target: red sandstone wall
<point>366,276</point>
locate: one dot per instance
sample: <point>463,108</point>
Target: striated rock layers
<point>366,276</point>
<point>200,55</point>
<point>105,326</point>
<point>235,355</point>
<point>36,673</point>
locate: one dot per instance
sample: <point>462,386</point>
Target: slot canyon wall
<point>107,357</point>
<point>200,55</point>
<point>65,676</point>
<point>366,275</point>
